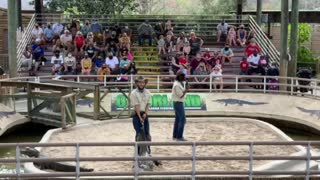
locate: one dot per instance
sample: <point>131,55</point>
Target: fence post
<point>104,80</point>
<point>237,79</point>
<point>63,113</point>
<point>291,86</point>
<point>194,161</point>
<point>210,84</point>
<point>251,161</point>
<point>131,82</point>
<point>18,165</point>
<point>158,83</point>
<point>77,161</point>
<point>308,161</point>
<point>78,78</point>
<point>264,84</point>
<point>136,164</point>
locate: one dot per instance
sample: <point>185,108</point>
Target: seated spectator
<point>227,54</point>
<point>145,31</point>
<point>91,51</point>
<point>74,28</point>
<point>201,70</point>
<point>57,29</point>
<point>112,43</point>
<point>175,63</point>
<point>27,58</point>
<point>99,46</point>
<point>244,66</point>
<point>273,71</point>
<point>206,55</point>
<point>38,54</point>
<point>48,34</point>
<point>85,29</point>
<point>70,64</point>
<point>127,30</point>
<point>2,72</point>
<point>185,69</point>
<point>79,43</point>
<point>168,45</point>
<point>66,40</point>
<point>168,27</point>
<point>125,41</point>
<point>159,30</point>
<point>263,65</point>
<point>102,71</point>
<point>113,63</point>
<point>242,36</point>
<point>125,65</point>
<point>95,27</point>
<point>216,59</point>
<point>232,36</point>
<point>254,63</point>
<point>216,74</point>
<point>86,64</point>
<point>222,30</point>
<point>182,39</point>
<point>182,60</point>
<point>251,48</point>
<point>252,35</point>
<point>161,44</point>
<point>57,63</point>
<point>58,46</point>
<point>90,38</point>
<point>195,44</point>
<point>195,62</point>
<point>36,32</point>
<point>99,61</point>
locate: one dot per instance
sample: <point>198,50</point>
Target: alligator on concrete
<point>6,114</point>
<point>311,112</point>
<point>239,102</point>
<point>84,102</point>
<point>59,167</point>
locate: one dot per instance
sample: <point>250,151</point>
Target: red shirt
<point>244,65</point>
<point>250,48</point>
<point>183,61</point>
<point>79,41</point>
<point>206,55</point>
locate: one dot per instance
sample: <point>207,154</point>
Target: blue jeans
<point>142,37</point>
<point>180,120</point>
<point>137,125</point>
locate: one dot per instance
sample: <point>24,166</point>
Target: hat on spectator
<point>38,40</point>
<point>141,78</point>
<point>66,31</point>
<point>79,33</point>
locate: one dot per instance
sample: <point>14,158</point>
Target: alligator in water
<point>238,102</point>
<point>311,112</point>
<point>59,167</point>
<point>84,102</point>
<point>6,114</point>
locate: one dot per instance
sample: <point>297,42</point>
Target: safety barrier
<point>230,83</point>
<point>136,173</point>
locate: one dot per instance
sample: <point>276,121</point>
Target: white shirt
<point>254,59</point>
<point>57,28</point>
<point>56,61</point>
<point>112,62</point>
<point>69,61</point>
<point>65,38</point>
<point>36,33</point>
<point>177,91</point>
<point>140,98</point>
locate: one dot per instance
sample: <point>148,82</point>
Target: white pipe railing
<point>26,38</point>
<point>193,173</point>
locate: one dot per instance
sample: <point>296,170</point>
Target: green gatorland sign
<point>162,102</point>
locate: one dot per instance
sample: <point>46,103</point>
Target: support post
<point>38,4</point>
<point>96,103</point>
<point>259,12</point>
<point>19,17</point>
<point>12,35</point>
<point>292,65</point>
<point>239,11</point>
<point>284,43</point>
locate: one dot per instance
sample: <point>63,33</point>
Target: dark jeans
<point>142,37</point>
<point>137,125</point>
<point>180,120</point>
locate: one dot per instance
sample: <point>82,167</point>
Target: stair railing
<point>23,39</point>
<point>264,42</point>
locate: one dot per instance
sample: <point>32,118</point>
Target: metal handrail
<point>26,39</point>
<point>264,42</point>
<point>136,173</point>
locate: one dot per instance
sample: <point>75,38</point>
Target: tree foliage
<point>105,7</point>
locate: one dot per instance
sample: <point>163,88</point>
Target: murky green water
<point>27,133</point>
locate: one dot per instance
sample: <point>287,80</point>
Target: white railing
<point>231,83</point>
<point>25,39</point>
<point>136,173</point>
<point>264,42</point>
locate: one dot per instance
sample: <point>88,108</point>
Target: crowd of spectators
<point>90,49</point>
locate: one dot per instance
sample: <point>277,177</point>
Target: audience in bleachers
<point>37,32</point>
<point>48,34</point>
<point>216,74</point>
<point>57,63</point>
<point>145,31</point>
<point>232,37</point>
<point>27,58</point>
<point>70,64</point>
<point>86,64</point>
<point>251,48</point>
<point>195,44</point>
<point>244,66</point>
<point>241,36</point>
<point>222,30</point>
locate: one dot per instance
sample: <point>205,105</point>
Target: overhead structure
<point>294,38</point>
<point>284,41</point>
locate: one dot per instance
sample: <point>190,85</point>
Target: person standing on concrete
<point>179,91</point>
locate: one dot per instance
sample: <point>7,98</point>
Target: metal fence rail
<point>136,173</point>
<point>163,83</point>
